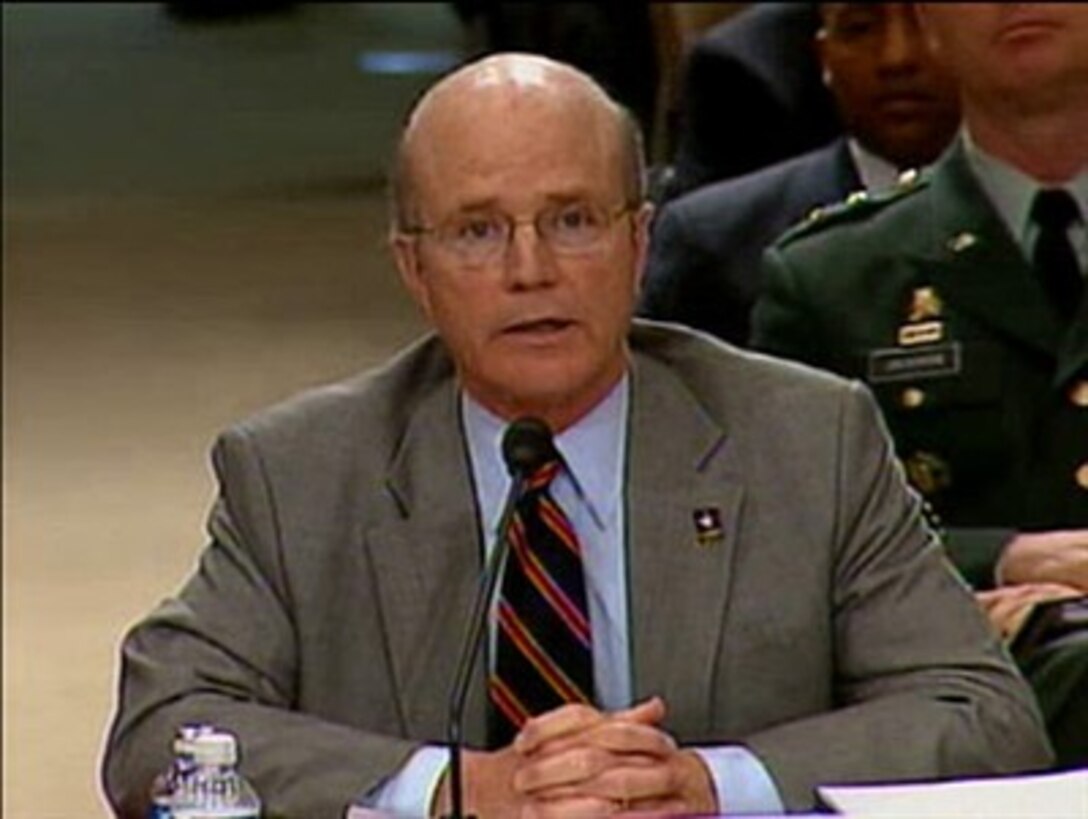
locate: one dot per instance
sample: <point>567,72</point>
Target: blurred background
<point>193,226</point>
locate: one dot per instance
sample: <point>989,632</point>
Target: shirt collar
<point>876,173</point>
<point>1011,191</point>
<point>593,450</point>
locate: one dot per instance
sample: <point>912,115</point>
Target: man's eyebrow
<point>491,203</point>
<point>488,203</point>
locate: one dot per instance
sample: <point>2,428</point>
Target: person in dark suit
<point>901,110</point>
<point>960,303</point>
<point>812,607</point>
<point>612,41</point>
<point>751,97</point>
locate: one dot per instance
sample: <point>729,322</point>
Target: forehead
<point>515,144</point>
<point>830,13</point>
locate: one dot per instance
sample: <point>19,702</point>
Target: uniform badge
<point>924,304</point>
<point>708,525</point>
<point>922,325</point>
<point>961,241</point>
<point>928,473</point>
<point>927,332</point>
<point>890,364</point>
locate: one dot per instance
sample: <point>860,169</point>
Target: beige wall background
<point>193,226</point>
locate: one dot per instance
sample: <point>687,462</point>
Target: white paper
<point>1043,796</point>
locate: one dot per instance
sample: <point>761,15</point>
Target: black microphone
<point>526,446</point>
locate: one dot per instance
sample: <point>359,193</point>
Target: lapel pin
<point>961,241</point>
<point>708,525</point>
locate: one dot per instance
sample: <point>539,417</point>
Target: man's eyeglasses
<point>478,238</point>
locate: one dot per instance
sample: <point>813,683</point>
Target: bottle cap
<point>187,735</point>
<point>218,748</point>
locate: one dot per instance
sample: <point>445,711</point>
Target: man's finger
<point>552,725</point>
<point>614,736</point>
<point>573,808</point>
<point>647,712</point>
<point>569,720</point>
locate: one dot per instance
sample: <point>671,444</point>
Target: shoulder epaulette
<point>857,206</point>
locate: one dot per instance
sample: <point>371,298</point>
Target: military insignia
<point>708,525</point>
<point>908,179</point>
<point>928,332</point>
<point>928,473</point>
<point>961,241</point>
<point>923,309</point>
<point>924,304</point>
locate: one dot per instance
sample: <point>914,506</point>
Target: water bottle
<point>214,789</point>
<point>170,781</point>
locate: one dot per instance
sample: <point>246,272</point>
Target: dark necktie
<point>543,655</point>
<point>1054,210</point>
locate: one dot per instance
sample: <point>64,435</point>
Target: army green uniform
<point>923,294</point>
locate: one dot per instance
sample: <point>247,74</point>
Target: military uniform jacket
<point>926,296</point>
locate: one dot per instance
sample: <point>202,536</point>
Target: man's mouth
<point>1027,27</point>
<point>906,102</point>
<point>538,327</point>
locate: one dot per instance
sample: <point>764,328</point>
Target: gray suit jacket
<point>823,630</point>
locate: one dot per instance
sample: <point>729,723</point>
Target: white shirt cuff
<point>410,791</point>
<point>741,781</point>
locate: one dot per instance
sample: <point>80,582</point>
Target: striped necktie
<point>543,653</point>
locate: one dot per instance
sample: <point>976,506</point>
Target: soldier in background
<point>901,111</point>
<point>960,300</point>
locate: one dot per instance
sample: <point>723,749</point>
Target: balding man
<point>708,607</point>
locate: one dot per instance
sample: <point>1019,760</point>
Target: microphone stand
<point>473,639</point>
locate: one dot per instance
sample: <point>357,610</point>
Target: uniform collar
<point>1011,191</point>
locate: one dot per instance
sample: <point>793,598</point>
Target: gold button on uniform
<point>912,397</point>
<point>1082,476</point>
<point>1078,393</point>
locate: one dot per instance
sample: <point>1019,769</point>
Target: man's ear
<point>406,256</point>
<point>643,219</point>
<point>819,44</point>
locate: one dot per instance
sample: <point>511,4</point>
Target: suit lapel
<point>427,561</point>
<point>678,587</point>
<point>1073,355</point>
<point>842,173</point>
<point>976,264</point>
<point>827,176</point>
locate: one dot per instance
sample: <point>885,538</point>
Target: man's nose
<point>529,260</point>
<point>901,44</point>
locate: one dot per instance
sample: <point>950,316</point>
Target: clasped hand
<point>577,761</point>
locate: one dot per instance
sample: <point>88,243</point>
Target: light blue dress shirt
<point>590,491</point>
